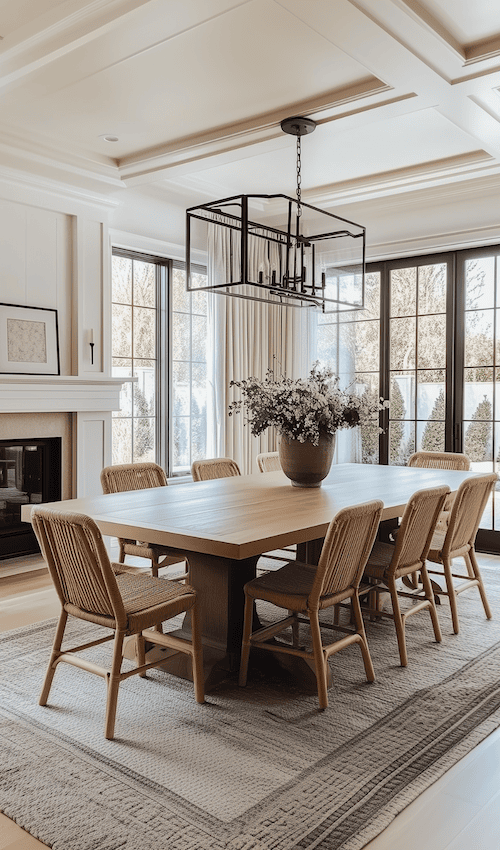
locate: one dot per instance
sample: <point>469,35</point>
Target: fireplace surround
<point>76,410</point>
<point>30,473</point>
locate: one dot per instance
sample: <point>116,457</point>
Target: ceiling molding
<point>37,152</point>
<point>403,180</point>
<point>453,240</point>
<point>423,17</point>
<point>259,129</point>
<point>482,50</point>
<point>61,37</point>
<point>20,180</point>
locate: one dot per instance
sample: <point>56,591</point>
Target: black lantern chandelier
<point>277,249</point>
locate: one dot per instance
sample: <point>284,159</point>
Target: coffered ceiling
<point>406,94</point>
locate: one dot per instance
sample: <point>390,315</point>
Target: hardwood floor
<point>459,812</point>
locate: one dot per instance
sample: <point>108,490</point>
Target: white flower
<point>302,409</point>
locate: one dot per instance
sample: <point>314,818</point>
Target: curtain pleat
<point>246,339</point>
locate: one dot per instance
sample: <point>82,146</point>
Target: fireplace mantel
<point>59,394</point>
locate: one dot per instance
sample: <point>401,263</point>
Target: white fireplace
<point>76,409</point>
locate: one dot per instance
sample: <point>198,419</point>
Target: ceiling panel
<point>466,21</point>
<point>331,156</point>
<point>15,14</point>
<point>221,72</point>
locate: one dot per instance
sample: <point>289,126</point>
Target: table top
<point>250,514</point>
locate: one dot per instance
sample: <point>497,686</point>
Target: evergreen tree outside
<point>370,433</point>
<point>478,435</point>
<point>396,428</point>
<point>433,436</point>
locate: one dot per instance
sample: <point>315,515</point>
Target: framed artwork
<point>29,340</point>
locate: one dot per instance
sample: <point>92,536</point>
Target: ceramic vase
<point>304,464</point>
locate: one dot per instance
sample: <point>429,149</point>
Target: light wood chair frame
<point>406,557</point>
<point>458,541</point>
<point>93,589</point>
<point>212,468</point>
<point>336,578</point>
<point>441,460</point>
<point>126,477</point>
<point>268,462</point>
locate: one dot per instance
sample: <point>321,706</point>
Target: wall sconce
<point>91,343</point>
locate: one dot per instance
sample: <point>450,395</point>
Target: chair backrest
<point>74,551</point>
<point>268,462</point>
<point>417,527</point>
<point>347,545</point>
<point>216,467</point>
<point>470,502</point>
<point>440,460</point>
<point>132,476</point>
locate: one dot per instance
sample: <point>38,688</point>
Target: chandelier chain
<point>299,178</point>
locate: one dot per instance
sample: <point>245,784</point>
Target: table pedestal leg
<point>219,583</point>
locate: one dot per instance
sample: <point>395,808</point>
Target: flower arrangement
<point>303,408</point>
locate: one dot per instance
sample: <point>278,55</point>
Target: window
<point>350,344</point>
<point>189,374</point>
<point>159,336</point>
<point>434,350</point>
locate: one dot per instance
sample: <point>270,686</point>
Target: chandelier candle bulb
<point>247,237</point>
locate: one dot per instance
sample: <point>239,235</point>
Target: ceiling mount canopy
<point>278,249</point>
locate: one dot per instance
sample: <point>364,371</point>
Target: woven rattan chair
<point>268,462</point>
<point>141,476</point>
<point>216,467</point>
<point>303,589</point>
<point>457,541</point>
<point>389,562</point>
<point>441,460</point>
<point>92,589</point>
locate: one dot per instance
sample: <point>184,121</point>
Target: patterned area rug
<point>256,768</point>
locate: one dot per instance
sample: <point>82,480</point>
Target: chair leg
<point>113,681</point>
<point>319,659</point>
<point>432,610</point>
<point>245,643</point>
<point>471,556</point>
<point>154,572</point>
<point>452,596</point>
<point>360,628</point>
<point>295,628</point>
<point>399,623</point>
<point>198,673</point>
<point>56,647</point>
<point>140,653</point>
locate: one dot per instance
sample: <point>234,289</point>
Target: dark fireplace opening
<point>30,473</point>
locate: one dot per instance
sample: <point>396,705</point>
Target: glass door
<point>478,400</point>
<point>417,374</point>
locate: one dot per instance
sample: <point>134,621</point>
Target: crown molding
<point>39,190</point>
<point>453,240</point>
<point>431,174</point>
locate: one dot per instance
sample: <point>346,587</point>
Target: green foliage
<point>396,430</point>
<point>478,434</point>
<point>433,436</point>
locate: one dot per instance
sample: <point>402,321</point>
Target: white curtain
<point>247,338</point>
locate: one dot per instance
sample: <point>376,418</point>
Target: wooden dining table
<point>225,525</point>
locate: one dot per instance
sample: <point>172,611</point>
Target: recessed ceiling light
<point>109,138</point>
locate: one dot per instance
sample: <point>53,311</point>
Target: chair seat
<point>290,586</point>
<point>152,550</point>
<point>380,561</point>
<point>147,600</point>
